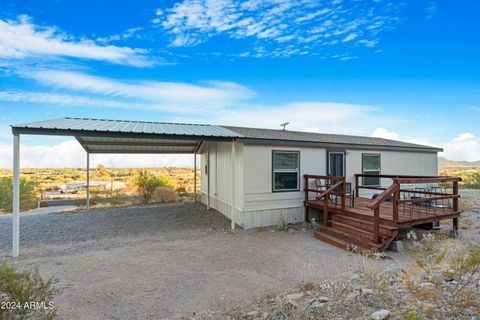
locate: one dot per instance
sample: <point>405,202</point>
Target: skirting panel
<point>258,218</point>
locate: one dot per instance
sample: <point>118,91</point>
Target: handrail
<point>383,196</point>
<point>329,189</point>
<point>314,176</point>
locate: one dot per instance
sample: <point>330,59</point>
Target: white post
<point>232,209</point>
<point>208,175</point>
<point>16,197</point>
<point>195,177</point>
<point>88,181</point>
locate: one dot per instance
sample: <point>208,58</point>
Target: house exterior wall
<point>394,163</point>
<point>255,202</point>
<point>221,176</point>
<point>263,207</point>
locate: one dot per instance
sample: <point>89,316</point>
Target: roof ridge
<point>139,121</point>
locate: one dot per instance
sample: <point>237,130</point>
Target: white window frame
<point>297,170</point>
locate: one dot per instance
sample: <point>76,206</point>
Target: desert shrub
<point>28,193</point>
<point>182,192</point>
<point>445,272</point>
<point>31,295</point>
<point>146,184</point>
<point>117,199</point>
<point>165,194</point>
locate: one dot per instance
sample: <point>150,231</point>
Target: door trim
<point>343,153</point>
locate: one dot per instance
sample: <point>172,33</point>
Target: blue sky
<point>402,70</point>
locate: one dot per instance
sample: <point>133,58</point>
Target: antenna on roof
<point>284,125</point>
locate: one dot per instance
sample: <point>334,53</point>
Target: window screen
<point>286,170</point>
<point>371,165</point>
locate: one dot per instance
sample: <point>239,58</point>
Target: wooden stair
<point>355,233</point>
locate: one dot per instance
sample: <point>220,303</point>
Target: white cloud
<point>21,39</point>
<point>383,133</point>
<point>66,100</point>
<point>280,24</point>
<point>464,147</point>
<point>70,154</point>
<point>122,36</point>
<point>184,97</point>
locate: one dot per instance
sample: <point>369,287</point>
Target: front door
<point>336,164</point>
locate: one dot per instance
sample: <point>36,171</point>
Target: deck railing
<point>334,185</point>
<point>412,197</point>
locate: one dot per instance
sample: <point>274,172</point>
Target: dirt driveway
<point>166,262</point>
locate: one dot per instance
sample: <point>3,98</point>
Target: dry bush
<point>444,278</point>
<point>164,194</point>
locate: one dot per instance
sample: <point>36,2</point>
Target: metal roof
<point>123,126</point>
<point>120,136</point>
<point>323,139</point>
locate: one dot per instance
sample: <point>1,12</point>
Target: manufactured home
<point>270,166</point>
<point>362,190</point>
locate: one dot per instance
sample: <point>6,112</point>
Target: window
<point>286,170</point>
<point>371,165</point>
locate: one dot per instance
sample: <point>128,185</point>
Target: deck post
<point>396,197</point>
<point>16,197</point>
<point>357,187</point>
<point>195,177</point>
<point>325,211</point>
<point>232,209</point>
<point>455,205</point>
<point>344,191</point>
<point>88,182</point>
<point>305,189</point>
<point>376,225</point>
<point>208,175</point>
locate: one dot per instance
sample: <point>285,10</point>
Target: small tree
<point>146,184</point>
<point>28,193</point>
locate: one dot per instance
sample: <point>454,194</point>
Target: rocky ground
<point>440,281</point>
<point>167,261</point>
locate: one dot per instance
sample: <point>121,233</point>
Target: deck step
<point>351,229</point>
<point>340,243</point>
<point>365,225</point>
<point>352,238</point>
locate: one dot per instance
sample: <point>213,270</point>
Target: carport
<point>98,136</point>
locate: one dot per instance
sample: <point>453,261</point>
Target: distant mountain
<point>443,162</point>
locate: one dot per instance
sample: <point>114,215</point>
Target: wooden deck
<point>369,225</point>
<point>407,215</point>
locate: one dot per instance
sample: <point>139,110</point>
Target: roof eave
<point>317,144</point>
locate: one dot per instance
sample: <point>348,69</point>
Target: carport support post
<point>16,196</point>
<point>88,181</point>
<point>195,177</point>
<point>208,175</point>
<point>232,209</point>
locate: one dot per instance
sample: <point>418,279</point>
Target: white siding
<point>394,163</point>
<point>262,206</point>
<point>221,176</point>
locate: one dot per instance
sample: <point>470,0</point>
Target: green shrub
<point>28,193</point>
<point>146,184</point>
<point>26,295</point>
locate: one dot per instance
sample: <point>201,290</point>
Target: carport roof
<point>121,136</point>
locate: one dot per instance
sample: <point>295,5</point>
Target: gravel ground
<point>168,261</point>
